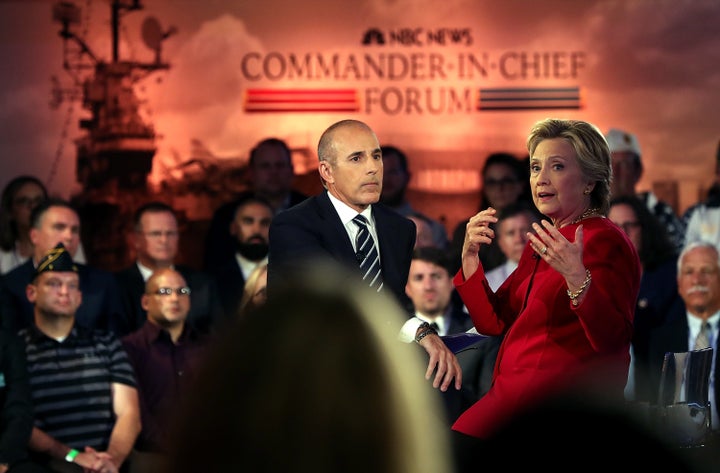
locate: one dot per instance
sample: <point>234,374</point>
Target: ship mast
<point>117,148</point>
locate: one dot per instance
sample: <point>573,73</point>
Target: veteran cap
<point>621,141</point>
<point>58,259</point>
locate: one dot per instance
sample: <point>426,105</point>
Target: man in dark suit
<point>56,221</point>
<point>324,227</point>
<point>156,244</point>
<point>249,227</point>
<point>699,287</point>
<point>431,291</point>
<point>270,175</point>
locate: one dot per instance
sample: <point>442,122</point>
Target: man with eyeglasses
<point>57,221</point>
<point>166,354</point>
<point>156,241</point>
<point>86,410</point>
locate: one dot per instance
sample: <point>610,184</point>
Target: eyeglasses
<point>627,227</point>
<point>160,234</point>
<point>166,291</point>
<point>28,201</point>
<point>504,182</point>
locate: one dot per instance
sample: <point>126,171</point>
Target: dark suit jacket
<point>230,283</point>
<point>16,421</point>
<point>101,305</point>
<point>671,337</point>
<point>205,308</point>
<point>460,321</point>
<point>312,230</point>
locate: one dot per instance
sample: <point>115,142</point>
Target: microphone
<point>360,256</point>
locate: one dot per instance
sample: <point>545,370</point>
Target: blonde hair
<point>591,148</point>
<point>319,371</point>
<point>251,287</point>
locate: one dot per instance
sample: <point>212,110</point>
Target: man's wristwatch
<point>425,330</point>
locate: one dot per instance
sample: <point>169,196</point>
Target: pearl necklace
<point>592,212</point>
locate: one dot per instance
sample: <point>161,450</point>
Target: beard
<point>252,251</point>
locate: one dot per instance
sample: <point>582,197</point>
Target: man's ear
<point>145,302</point>
<point>31,292</point>
<point>326,172</point>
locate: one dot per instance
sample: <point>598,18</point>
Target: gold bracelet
<point>574,295</point>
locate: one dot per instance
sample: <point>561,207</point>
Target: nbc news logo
<point>418,37</point>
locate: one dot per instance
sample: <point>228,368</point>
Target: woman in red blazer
<point>567,311</point>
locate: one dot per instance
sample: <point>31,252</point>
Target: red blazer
<point>550,345</point>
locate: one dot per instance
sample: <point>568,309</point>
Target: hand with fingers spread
<point>478,232</point>
<point>562,255</point>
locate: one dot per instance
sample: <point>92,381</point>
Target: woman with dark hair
<point>505,182</point>
<point>658,298</point>
<point>20,196</point>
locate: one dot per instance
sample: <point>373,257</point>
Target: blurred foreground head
<point>315,380</point>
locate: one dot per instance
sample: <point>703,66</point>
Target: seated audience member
<point>20,196</point>
<point>430,290</point>
<point>156,238</point>
<point>83,389</point>
<point>511,229</point>
<point>627,169</point>
<point>702,220</point>
<point>16,410</point>
<point>699,286</point>
<point>658,298</point>
<point>368,409</point>
<point>166,355</point>
<point>255,290</point>
<point>505,181</point>
<point>56,221</point>
<point>250,229</point>
<point>396,177</point>
<point>270,176</point>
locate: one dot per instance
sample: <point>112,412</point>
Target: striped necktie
<point>703,340</point>
<point>367,254</point>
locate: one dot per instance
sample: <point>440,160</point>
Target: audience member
<point>702,220</point>
<point>83,389</point>
<point>514,223</point>
<point>504,182</point>
<point>424,236</point>
<point>658,296</point>
<point>16,410</point>
<point>396,177</point>
<point>156,238</point>
<point>56,221</point>
<point>255,290</point>
<point>366,410</point>
<point>166,356</point>
<point>699,286</point>
<point>566,312</point>
<point>430,290</point>
<point>270,175</point>
<point>20,196</point>
<point>627,168</point>
<point>326,227</point>
<point>250,228</point>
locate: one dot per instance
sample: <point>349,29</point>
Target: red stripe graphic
<point>302,100</point>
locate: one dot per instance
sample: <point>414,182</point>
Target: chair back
<point>683,410</point>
